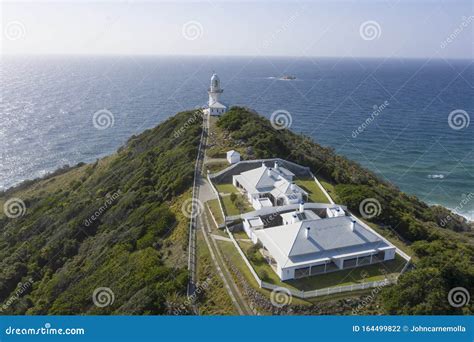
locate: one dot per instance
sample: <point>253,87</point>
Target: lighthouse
<point>215,91</point>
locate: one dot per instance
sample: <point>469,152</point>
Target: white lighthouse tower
<point>215,91</point>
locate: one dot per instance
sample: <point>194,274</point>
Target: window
<point>317,269</point>
<point>350,263</point>
<point>301,272</point>
<point>380,256</point>
<point>365,260</point>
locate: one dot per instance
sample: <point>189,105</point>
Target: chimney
<point>269,171</point>
<point>293,186</point>
<point>301,209</point>
<point>263,164</point>
<point>294,218</point>
<point>353,225</point>
<point>276,165</point>
<point>307,232</point>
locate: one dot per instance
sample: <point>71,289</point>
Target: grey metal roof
<point>327,238</point>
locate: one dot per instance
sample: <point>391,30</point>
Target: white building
<point>267,186</point>
<point>215,107</point>
<point>233,157</point>
<point>306,244</point>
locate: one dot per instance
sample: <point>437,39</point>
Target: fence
<point>314,293</point>
<point>192,221</point>
<point>218,197</point>
<point>322,188</point>
<point>331,290</point>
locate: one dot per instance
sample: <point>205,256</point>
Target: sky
<point>379,28</point>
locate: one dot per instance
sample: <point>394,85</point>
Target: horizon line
<point>223,56</point>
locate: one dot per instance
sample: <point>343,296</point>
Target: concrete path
<point>205,194</point>
<point>220,237</point>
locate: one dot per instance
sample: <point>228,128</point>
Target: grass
<point>241,235</point>
<point>215,299</point>
<point>315,193</point>
<point>231,208</point>
<point>330,189</point>
<point>393,238</point>
<point>215,167</point>
<point>215,210</point>
<point>234,258</point>
<point>226,188</point>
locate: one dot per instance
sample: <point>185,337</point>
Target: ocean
<point>408,120</point>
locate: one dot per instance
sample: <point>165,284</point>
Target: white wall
<point>390,254</point>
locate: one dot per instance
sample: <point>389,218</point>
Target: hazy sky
<point>398,28</point>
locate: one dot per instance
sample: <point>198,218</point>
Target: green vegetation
<point>116,223</point>
<point>330,190</point>
<point>215,167</point>
<point>226,188</point>
<point>315,193</point>
<point>236,207</point>
<point>215,210</point>
<point>443,252</point>
<point>214,300</point>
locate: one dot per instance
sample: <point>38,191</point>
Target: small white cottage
<point>233,157</point>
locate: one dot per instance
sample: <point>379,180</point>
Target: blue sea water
<point>47,107</point>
